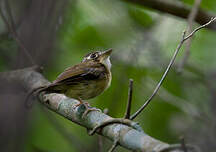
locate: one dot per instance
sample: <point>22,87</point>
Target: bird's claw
<point>86,104</point>
<point>89,109</point>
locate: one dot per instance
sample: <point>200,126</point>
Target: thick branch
<point>128,137</point>
<point>176,8</point>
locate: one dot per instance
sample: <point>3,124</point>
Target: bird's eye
<point>93,56</point>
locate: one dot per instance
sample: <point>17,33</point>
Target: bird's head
<point>99,56</point>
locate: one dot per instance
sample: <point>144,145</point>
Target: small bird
<point>85,80</point>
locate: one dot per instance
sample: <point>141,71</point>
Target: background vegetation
<point>58,34</point>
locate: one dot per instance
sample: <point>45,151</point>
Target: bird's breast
<point>90,88</point>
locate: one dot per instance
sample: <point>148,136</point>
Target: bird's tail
<point>35,92</point>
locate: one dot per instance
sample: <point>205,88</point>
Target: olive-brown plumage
<point>85,80</point>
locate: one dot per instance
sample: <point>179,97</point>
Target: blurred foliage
<point>143,42</point>
<point>208,5</point>
<point>8,51</point>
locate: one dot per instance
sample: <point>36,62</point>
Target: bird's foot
<point>88,108</point>
<point>81,102</point>
<point>86,104</point>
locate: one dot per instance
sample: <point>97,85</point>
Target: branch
<point>126,116</point>
<point>100,139</point>
<point>128,137</point>
<point>176,8</point>
<point>114,146</point>
<point>184,38</point>
<point>183,144</point>
<point>130,93</point>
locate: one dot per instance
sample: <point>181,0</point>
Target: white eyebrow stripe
<point>89,57</point>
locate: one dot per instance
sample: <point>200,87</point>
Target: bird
<point>84,80</point>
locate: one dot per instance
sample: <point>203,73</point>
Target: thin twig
<point>127,112</point>
<point>127,122</point>
<point>130,93</point>
<point>191,19</point>
<point>118,121</point>
<point>199,28</point>
<point>15,35</point>
<point>115,143</point>
<point>162,79</point>
<point>100,139</point>
<point>176,101</point>
<point>183,144</point>
<point>114,146</point>
<point>9,12</point>
<point>169,66</point>
<point>100,143</point>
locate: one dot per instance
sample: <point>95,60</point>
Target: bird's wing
<point>79,72</point>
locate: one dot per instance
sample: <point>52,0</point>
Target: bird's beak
<point>106,54</point>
